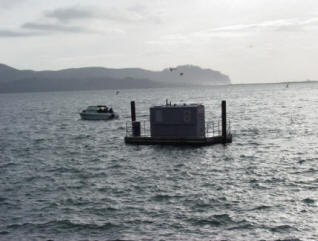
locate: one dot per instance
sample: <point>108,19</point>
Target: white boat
<point>98,112</point>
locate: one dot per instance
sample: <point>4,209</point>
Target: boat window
<point>92,108</point>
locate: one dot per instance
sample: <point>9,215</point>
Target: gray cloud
<point>67,20</point>
<point>36,29</point>
<point>137,13</point>
<point>143,12</point>
<point>10,3</point>
<point>234,31</point>
<point>67,14</point>
<point>277,25</point>
<point>9,33</point>
<point>53,27</point>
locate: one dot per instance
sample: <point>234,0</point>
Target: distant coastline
<point>96,78</point>
<point>279,83</point>
<point>299,82</point>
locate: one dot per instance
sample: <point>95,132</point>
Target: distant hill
<point>92,78</point>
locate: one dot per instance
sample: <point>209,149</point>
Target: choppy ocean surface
<point>62,178</point>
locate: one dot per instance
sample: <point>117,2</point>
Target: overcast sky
<point>249,40</point>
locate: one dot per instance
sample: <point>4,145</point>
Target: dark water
<point>62,178</point>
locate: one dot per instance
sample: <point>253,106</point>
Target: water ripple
<point>67,179</point>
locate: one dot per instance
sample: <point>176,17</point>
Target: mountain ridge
<point>90,78</point>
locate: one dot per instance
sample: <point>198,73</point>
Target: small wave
<point>179,165</point>
<point>64,170</point>
<point>103,189</point>
<point>261,207</point>
<point>162,197</point>
<point>282,229</point>
<point>144,115</point>
<point>82,137</point>
<point>288,239</point>
<point>203,204</point>
<point>253,180</point>
<point>30,179</point>
<point>308,201</point>
<point>210,222</point>
<point>248,131</point>
<point>248,157</point>
<point>301,161</point>
<point>244,225</point>
<point>310,170</point>
<point>223,217</point>
<point>102,211</point>
<point>63,224</point>
<point>10,164</point>
<point>116,166</point>
<point>215,220</point>
<point>273,180</point>
<point>38,140</point>
<point>74,202</point>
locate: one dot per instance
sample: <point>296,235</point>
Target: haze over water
<point>62,178</point>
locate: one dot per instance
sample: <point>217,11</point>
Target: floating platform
<point>148,140</point>
<point>178,125</point>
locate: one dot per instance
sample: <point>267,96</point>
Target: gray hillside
<point>89,78</point>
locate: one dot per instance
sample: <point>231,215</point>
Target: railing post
<point>213,128</point>
<point>133,111</point>
<point>224,131</point>
<point>135,125</point>
<point>144,128</point>
<point>207,129</point>
<point>218,127</point>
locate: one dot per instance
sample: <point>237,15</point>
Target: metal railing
<point>144,128</point>
<point>212,128</point>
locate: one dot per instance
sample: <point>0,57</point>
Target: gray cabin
<point>177,121</point>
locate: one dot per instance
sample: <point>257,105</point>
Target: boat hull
<point>98,116</point>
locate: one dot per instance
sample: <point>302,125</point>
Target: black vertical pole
<point>133,111</point>
<point>224,120</point>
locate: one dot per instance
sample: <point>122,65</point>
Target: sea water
<point>62,178</point>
